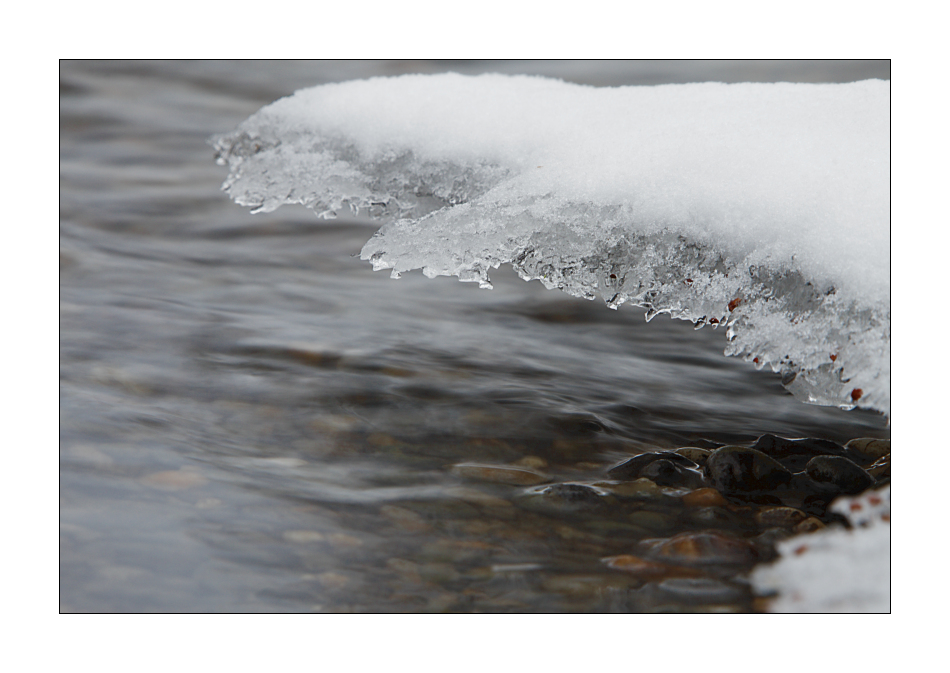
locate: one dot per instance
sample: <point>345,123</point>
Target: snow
<point>761,207</point>
<point>836,569</point>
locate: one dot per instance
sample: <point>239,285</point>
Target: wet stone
<point>706,547</point>
<point>667,473</point>
<point>783,517</point>
<point>655,522</point>
<point>704,497</point>
<point>499,474</point>
<point>701,590</point>
<point>840,472</point>
<point>714,517</point>
<point>645,568</point>
<point>632,467</point>
<point>564,497</point>
<point>865,450</point>
<point>794,454</point>
<point>780,447</point>
<point>881,469</point>
<point>736,470</point>
<point>639,489</point>
<point>695,454</point>
<point>809,525</point>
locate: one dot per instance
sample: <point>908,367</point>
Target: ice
<point>836,569</point>
<point>762,208</point>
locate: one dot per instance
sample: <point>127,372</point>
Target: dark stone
<point>737,470</point>
<point>705,444</point>
<point>809,495</point>
<point>866,450</point>
<point>841,472</point>
<point>573,493</point>
<point>630,469</point>
<point>780,447</point>
<point>667,473</point>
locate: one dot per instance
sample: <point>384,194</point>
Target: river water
<point>251,419</point>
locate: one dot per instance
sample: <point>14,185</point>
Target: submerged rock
<point>840,472</point>
<point>566,497</point>
<point>705,547</point>
<point>695,454</point>
<point>499,474</point>
<point>632,468</point>
<point>737,470</point>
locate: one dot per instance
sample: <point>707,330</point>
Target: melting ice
<point>761,208</point>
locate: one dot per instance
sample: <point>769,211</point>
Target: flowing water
<point>253,420</point>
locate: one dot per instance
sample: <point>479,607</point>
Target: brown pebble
<point>499,474</point>
<point>704,497</point>
<point>696,455</point>
<point>785,517</point>
<point>809,525</point>
<point>881,468</point>
<point>638,488</point>
<point>870,447</point>
<point>405,519</point>
<point>532,463</point>
<point>644,568</point>
<point>705,547</point>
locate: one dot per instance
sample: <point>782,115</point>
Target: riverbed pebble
<point>631,468</point>
<point>499,474</point>
<point>840,472</point>
<point>704,497</point>
<point>703,547</point>
<point>784,517</point>
<point>695,454</point>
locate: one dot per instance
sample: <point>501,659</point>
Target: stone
<point>881,469</point>
<point>405,519</point>
<point>702,590</point>
<point>564,497</point>
<point>783,517</point>
<point>640,489</point>
<point>704,497</point>
<point>667,473</point>
<point>809,525</point>
<point>655,522</point>
<point>780,447</point>
<point>705,547</point>
<point>499,474</point>
<point>738,470</point>
<point>532,463</point>
<point>840,472</point>
<point>714,517</point>
<point>645,568</point>
<point>695,454</point>
<point>867,449</point>
<point>630,468</point>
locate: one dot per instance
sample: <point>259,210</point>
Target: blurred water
<point>254,420</point>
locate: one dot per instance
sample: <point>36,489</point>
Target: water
<point>254,420</point>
